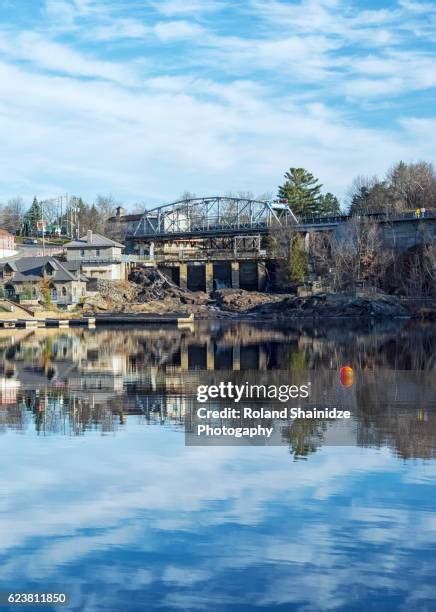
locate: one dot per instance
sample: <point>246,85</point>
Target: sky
<point>146,99</point>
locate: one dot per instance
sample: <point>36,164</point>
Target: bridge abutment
<point>250,275</point>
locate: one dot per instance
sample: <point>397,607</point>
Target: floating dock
<point>35,323</point>
<point>180,319</point>
<point>177,319</point>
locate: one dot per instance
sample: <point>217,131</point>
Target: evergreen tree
<point>302,192</point>
<point>297,264</point>
<point>329,205</point>
<point>360,200</point>
<point>31,218</point>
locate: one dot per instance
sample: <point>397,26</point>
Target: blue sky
<point>144,99</point>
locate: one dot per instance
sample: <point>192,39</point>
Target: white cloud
<point>62,15</point>
<point>395,72</point>
<point>52,56</point>
<point>173,8</point>
<point>120,29</point>
<point>201,116</point>
<point>168,31</point>
<point>237,136</point>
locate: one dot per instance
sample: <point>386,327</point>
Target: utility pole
<point>43,229</point>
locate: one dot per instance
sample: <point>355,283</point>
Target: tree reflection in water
<point>74,381</point>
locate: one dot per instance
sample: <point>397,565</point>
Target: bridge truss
<point>213,215</point>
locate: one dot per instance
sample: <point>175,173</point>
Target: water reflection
<point>81,380</point>
<point>134,520</point>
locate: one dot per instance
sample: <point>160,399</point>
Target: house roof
<point>28,269</point>
<point>92,240</point>
<point>126,218</point>
<point>75,266</point>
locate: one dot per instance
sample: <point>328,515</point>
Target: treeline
<point>405,187</point>
<point>68,217</point>
<point>355,253</point>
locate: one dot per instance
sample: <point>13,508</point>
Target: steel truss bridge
<point>196,217</point>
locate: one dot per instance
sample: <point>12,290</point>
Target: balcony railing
<point>101,260</point>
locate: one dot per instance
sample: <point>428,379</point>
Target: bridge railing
<point>376,216</point>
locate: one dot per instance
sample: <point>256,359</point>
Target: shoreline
<point>232,305</point>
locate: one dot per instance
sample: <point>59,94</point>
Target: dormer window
<point>8,271</point>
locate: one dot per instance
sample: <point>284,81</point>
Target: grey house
<point>97,256</point>
<point>21,280</point>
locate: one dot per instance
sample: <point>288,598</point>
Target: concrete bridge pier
<point>209,276</point>
<point>210,355</point>
<point>236,357</point>
<point>261,276</point>
<point>183,276</point>
<point>205,276</point>
<point>263,358</point>
<point>235,274</point>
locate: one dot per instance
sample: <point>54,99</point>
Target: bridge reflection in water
<point>75,381</point>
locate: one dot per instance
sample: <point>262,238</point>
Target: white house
<point>97,256</point>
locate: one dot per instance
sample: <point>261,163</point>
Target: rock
<point>240,301</point>
<point>94,304</point>
<point>335,306</point>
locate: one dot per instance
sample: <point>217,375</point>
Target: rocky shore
<point>322,305</point>
<point>149,291</point>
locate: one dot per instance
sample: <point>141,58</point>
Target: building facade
<point>32,279</point>
<point>96,256</point>
<point>7,244</point>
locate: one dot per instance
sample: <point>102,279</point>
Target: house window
<point>10,292</point>
<point>64,291</point>
<point>82,253</point>
<point>54,295</point>
<point>97,252</point>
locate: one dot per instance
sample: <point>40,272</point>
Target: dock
<point>173,319</point>
<point>179,319</point>
<point>36,323</point>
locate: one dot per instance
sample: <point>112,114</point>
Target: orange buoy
<point>346,375</point>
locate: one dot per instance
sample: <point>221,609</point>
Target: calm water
<point>100,497</point>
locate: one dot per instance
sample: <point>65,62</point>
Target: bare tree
<point>105,206</point>
<point>404,188</point>
<point>413,185</point>
<point>354,252</point>
<point>12,215</point>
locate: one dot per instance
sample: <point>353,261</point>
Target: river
<point>101,498</point>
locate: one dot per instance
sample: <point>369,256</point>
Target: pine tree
<point>360,201</point>
<point>302,192</point>
<point>297,264</point>
<point>31,218</point>
<point>329,205</point>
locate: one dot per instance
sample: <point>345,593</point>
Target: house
<point>23,279</point>
<point>7,244</point>
<point>122,224</point>
<point>96,256</point>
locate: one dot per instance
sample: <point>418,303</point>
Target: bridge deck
<point>305,224</point>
